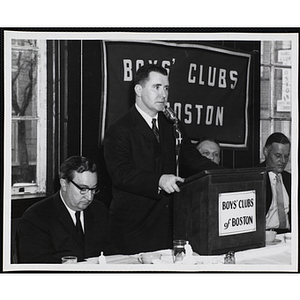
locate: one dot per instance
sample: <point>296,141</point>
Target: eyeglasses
<point>84,190</point>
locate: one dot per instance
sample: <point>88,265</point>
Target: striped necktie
<point>155,129</point>
<point>280,203</point>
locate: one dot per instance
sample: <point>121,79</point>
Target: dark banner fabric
<point>209,86</point>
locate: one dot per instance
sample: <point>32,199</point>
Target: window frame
<point>39,186</point>
<point>271,119</point>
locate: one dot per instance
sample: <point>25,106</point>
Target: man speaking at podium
<point>278,189</point>
<point>139,150</point>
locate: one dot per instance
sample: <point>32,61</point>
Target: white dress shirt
<point>146,117</point>
<point>72,212</point>
<point>272,219</point>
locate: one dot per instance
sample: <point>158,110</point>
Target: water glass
<point>69,259</point>
<point>229,258</point>
<point>178,250</point>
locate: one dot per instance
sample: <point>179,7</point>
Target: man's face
<point>152,96</point>
<point>277,156</point>
<point>71,194</point>
<point>210,150</point>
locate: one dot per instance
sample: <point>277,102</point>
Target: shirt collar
<point>273,176</point>
<point>146,117</point>
<point>71,211</point>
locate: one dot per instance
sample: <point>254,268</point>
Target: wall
<point>275,112</point>
<point>91,91</point>
<point>80,104</point>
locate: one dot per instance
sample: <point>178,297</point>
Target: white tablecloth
<point>276,253</point>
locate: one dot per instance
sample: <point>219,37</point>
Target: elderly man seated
<point>278,189</point>
<point>67,223</point>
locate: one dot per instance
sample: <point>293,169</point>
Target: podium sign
<point>237,212</point>
<point>221,210</point>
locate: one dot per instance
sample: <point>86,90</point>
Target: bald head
<point>210,149</point>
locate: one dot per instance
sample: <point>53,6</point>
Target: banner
<point>209,86</point>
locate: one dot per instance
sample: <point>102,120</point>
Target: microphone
<point>170,114</point>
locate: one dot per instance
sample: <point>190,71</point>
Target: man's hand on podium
<point>168,183</point>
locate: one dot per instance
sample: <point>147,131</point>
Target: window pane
<point>24,111</point>
<point>28,43</point>
<point>278,84</point>
<point>24,151</point>
<point>24,78</point>
<point>265,90</point>
<point>283,53</point>
<point>266,52</point>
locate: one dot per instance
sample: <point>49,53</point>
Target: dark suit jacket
<point>136,161</point>
<point>47,232</point>
<point>286,178</point>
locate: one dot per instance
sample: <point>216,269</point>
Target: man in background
<point>67,223</point>
<point>278,189</point>
<point>209,148</point>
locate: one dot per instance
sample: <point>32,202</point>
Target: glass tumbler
<point>178,250</point>
<point>69,260</point>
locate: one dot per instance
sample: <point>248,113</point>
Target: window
<point>28,131</point>
<point>276,90</point>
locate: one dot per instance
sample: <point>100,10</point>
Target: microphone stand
<point>178,138</point>
<point>170,114</point>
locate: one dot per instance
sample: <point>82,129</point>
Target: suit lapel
<point>65,218</point>
<point>268,187</point>
<point>269,195</point>
<point>167,144</point>
<point>141,125</point>
<point>287,182</point>
<point>88,225</point>
<point>63,214</point>
<point>165,129</point>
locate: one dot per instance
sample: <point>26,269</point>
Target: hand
<point>168,183</point>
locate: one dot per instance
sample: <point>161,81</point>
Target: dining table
<point>276,256</point>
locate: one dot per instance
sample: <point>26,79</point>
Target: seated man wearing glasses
<point>69,223</point>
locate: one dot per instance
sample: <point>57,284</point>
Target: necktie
<point>79,229</point>
<point>155,129</point>
<point>280,204</point>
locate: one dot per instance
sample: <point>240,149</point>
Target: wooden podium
<point>219,211</point>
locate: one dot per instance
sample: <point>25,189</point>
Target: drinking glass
<point>69,260</point>
<point>178,250</point>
